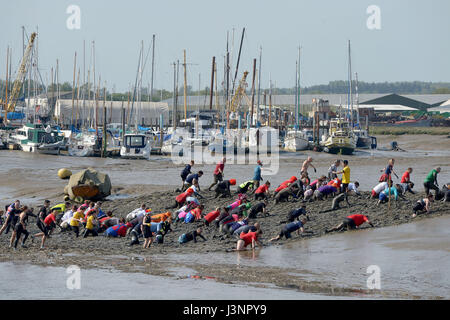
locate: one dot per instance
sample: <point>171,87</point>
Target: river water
<point>413,260</point>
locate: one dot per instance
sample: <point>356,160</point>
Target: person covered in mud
<point>118,230</point>
<point>193,180</point>
<point>146,230</point>
<point>21,227</point>
<point>393,191</point>
<point>446,192</point>
<point>335,204</point>
<point>218,172</point>
<point>222,189</point>
<point>257,174</point>
<point>318,183</point>
<point>231,227</point>
<point>49,224</point>
<point>194,214</point>
<point>209,217</point>
<point>431,183</point>
<point>137,213</point>
<point>306,164</point>
<point>180,200</point>
<point>295,214</point>
<point>285,184</point>
<point>186,172</point>
<point>263,191</point>
<point>12,215</point>
<point>135,233</point>
<point>333,169</point>
<point>191,236</point>
<point>65,220</point>
<point>245,239</point>
<point>91,222</point>
<point>351,222</point>
<point>76,219</point>
<point>353,188</point>
<point>247,228</point>
<point>422,205</point>
<point>378,189</point>
<point>287,230</point>
<point>246,186</point>
<point>260,207</point>
<point>406,187</point>
<point>388,171</point>
<point>324,192</point>
<point>284,194</point>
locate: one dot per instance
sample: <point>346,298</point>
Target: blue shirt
<point>186,170</point>
<point>393,191</point>
<point>257,174</point>
<point>293,226</point>
<point>192,177</point>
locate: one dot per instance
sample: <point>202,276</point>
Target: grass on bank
<point>397,131</point>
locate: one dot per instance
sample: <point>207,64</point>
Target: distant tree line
<point>333,87</point>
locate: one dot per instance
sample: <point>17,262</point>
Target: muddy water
<point>34,282</point>
<point>413,258</point>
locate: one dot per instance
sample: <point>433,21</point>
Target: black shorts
<point>42,227</point>
<point>147,232</point>
<point>19,228</point>
<point>349,223</point>
<point>344,187</point>
<point>285,233</point>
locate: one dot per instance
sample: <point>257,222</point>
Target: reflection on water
<point>413,258</point>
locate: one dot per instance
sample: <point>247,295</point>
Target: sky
<point>411,44</point>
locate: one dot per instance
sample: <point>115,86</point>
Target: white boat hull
<point>295,144</point>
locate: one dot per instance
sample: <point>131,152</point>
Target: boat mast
<point>174,112</point>
<point>357,98</point>
<point>153,67</point>
<point>73,86</point>
<point>350,96</point>
<point>259,84</point>
<point>184,90</point>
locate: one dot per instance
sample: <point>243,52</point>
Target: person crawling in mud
<point>187,237</point>
<point>423,205</point>
<point>394,191</point>
<point>324,191</point>
<point>446,192</point>
<point>335,204</point>
<point>193,180</point>
<point>259,208</point>
<point>263,191</point>
<point>406,187</point>
<point>245,187</point>
<point>185,172</point>
<point>295,214</point>
<point>222,189</point>
<point>351,222</point>
<point>284,194</point>
<point>248,238</point>
<point>247,228</point>
<point>291,227</point>
<point>180,200</point>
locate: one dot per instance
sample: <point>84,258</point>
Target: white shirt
<point>380,187</point>
<point>352,187</point>
<point>67,215</point>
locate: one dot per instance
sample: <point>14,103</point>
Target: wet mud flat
<point>65,249</point>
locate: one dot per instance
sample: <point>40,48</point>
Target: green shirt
<point>431,177</point>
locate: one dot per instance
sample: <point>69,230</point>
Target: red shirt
<point>262,189</point>
<point>49,219</point>
<point>197,213</point>
<point>181,198</point>
<point>212,215</point>
<point>405,177</point>
<point>220,166</point>
<point>248,237</point>
<point>358,218</point>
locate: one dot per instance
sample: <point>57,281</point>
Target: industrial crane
<point>240,92</point>
<point>20,76</point>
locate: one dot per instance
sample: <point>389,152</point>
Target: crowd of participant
<point>237,219</point>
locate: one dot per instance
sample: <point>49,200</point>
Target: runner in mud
<point>263,191</point>
<point>186,237</point>
<point>185,172</point>
<point>423,205</point>
<point>378,189</point>
<point>394,191</point>
<point>75,221</point>
<point>48,225</point>
<point>388,171</point>
<point>65,220</point>
<point>431,182</point>
<point>257,174</point>
<point>351,222</point>
<point>218,172</point>
<point>192,180</point>
<point>446,192</point>
<point>222,189</point>
<point>90,224</point>
<point>12,215</point>
<point>295,214</point>
<point>406,178</point>
<point>248,238</point>
<point>306,164</point>
<point>291,227</point>
<point>21,227</point>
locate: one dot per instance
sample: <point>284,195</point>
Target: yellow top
<point>90,222</point>
<point>346,175</point>
<point>76,215</point>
